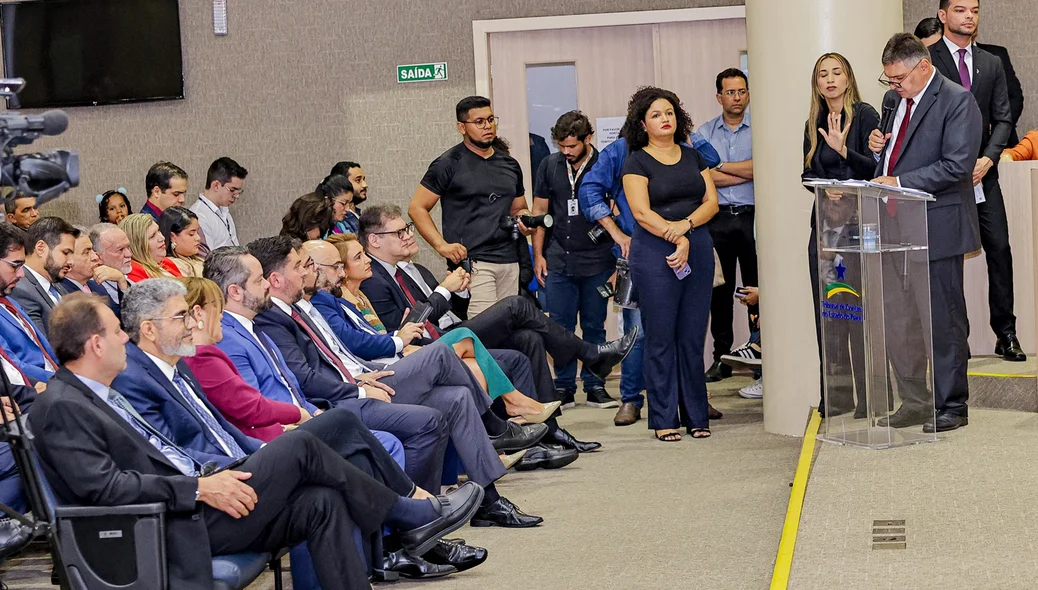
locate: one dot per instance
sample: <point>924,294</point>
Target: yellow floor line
<point>1003,375</point>
<point>784,560</point>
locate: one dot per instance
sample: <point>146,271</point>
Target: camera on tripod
<point>44,175</point>
<point>511,222</point>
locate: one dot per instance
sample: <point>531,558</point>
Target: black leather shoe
<point>904,417</point>
<point>612,353</point>
<point>455,509</point>
<point>598,397</point>
<point>561,437</point>
<point>1008,347</point>
<point>518,437</point>
<point>566,397</point>
<point>461,557</point>
<point>504,514</point>
<point>546,456</point>
<point>945,422</point>
<point>717,372</point>
<point>409,566</point>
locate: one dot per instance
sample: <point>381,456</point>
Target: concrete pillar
<point>784,40</point>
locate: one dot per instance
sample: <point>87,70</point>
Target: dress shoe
<point>566,397</point>
<point>409,566</point>
<point>598,397</point>
<point>461,556</point>
<point>549,409</point>
<point>518,437</point>
<point>627,414</point>
<point>546,456</point>
<point>1008,347</point>
<point>456,508</point>
<point>717,372</point>
<point>561,437</point>
<point>611,354</point>
<point>713,413</point>
<point>946,421</point>
<point>504,514</point>
<point>905,417</point>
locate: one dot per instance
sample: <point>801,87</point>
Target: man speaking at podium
<point>928,140</point>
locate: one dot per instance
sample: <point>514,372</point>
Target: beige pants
<point>492,282</point>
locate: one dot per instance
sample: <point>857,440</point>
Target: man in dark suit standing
<point>929,141</point>
<point>94,449</point>
<point>959,60</point>
<point>48,257</point>
<point>1016,90</point>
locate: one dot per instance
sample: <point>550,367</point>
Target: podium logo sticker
<point>833,289</point>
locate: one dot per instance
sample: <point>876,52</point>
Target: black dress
<point>828,164</point>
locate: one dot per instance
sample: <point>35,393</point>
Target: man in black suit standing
<point>95,450</point>
<point>1016,90</point>
<point>929,140</point>
<point>959,60</point>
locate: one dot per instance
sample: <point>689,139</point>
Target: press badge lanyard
<point>216,212</point>
<point>572,206</point>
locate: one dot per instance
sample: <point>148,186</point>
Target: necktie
<point>322,347</point>
<point>964,71</point>
<point>181,460</point>
<point>282,372</point>
<point>433,332</point>
<point>210,422</point>
<point>895,153</point>
<point>54,293</point>
<point>27,325</point>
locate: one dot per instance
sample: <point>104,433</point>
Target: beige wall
<point>1010,23</point>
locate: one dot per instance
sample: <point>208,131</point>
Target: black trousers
<point>994,237</point>
<point>734,242</point>
<point>306,492</point>
<point>517,324</point>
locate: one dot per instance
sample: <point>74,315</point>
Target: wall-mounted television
<point>91,52</point>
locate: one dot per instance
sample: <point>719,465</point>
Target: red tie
<point>25,378</point>
<point>895,153</point>
<point>433,332</point>
<point>321,346</point>
<point>29,327</point>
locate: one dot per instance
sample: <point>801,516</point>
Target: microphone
<point>887,119</point>
<point>52,122</point>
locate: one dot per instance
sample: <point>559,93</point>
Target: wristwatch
<point>719,164</point>
<point>198,494</point>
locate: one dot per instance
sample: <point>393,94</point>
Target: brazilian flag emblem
<point>833,289</point>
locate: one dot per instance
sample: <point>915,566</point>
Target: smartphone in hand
<point>683,272</point>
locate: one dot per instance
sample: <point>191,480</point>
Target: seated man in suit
<point>112,245</point>
<point>513,322</point>
<point>95,449</point>
<point>437,380</point>
<point>48,256</point>
<point>25,344</point>
<point>20,392</point>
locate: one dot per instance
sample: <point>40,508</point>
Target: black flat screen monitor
<point>91,52</point>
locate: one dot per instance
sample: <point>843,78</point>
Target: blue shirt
<point>732,146</point>
<point>604,183</point>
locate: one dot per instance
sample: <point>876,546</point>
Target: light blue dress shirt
<point>733,146</point>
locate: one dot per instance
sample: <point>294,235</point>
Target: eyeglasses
<point>186,318</point>
<point>487,122</point>
<point>234,190</point>
<point>739,92</point>
<point>400,233</point>
<point>896,84</point>
<point>310,264</point>
<point>14,265</point>
<point>337,266</point>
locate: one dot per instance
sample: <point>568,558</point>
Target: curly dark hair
<point>307,212</point>
<point>638,107</point>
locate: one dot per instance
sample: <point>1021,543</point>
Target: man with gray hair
<point>929,140</point>
<point>113,247</point>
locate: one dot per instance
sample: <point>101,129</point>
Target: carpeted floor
<point>639,514</point>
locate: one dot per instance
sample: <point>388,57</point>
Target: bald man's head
<point>330,271</point>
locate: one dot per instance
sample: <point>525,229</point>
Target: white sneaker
<point>754,391</point>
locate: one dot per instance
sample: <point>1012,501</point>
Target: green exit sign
<point>421,72</point>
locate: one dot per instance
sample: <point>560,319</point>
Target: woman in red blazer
<point>242,405</point>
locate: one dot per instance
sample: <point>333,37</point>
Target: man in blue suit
<point>85,266</point>
<point>24,343</point>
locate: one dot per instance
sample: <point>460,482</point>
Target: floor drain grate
<point>888,534</point>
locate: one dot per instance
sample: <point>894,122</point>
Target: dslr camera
<point>511,222</point>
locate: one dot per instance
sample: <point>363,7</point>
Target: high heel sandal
<point>674,436</point>
<point>698,433</point>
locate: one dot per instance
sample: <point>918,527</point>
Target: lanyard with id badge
<point>573,205</point>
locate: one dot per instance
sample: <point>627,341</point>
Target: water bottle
<point>870,237</point>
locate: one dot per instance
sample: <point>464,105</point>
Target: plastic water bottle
<point>870,237</point>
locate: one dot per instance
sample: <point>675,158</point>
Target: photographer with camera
<point>481,187</point>
<point>569,262</point>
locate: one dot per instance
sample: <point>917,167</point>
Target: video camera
<point>511,222</point>
<point>44,175</point>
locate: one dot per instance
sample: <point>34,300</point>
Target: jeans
<point>632,376</point>
<point>568,296</point>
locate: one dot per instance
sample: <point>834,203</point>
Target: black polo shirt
<point>568,248</point>
<point>475,193</point>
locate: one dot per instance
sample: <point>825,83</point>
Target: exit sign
<point>421,72</point>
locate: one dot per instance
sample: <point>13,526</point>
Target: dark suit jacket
<point>319,380</point>
<point>158,401</point>
<point>1016,90</point>
<point>389,301</point>
<point>937,156</point>
<point>363,343</point>
<point>93,457</point>
<point>96,289</point>
<point>992,95</point>
<point>860,162</point>
<point>35,300</point>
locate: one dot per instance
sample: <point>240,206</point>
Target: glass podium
<point>874,307</point>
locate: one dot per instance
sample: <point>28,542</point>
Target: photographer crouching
<point>572,260</point>
<point>480,186</point>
